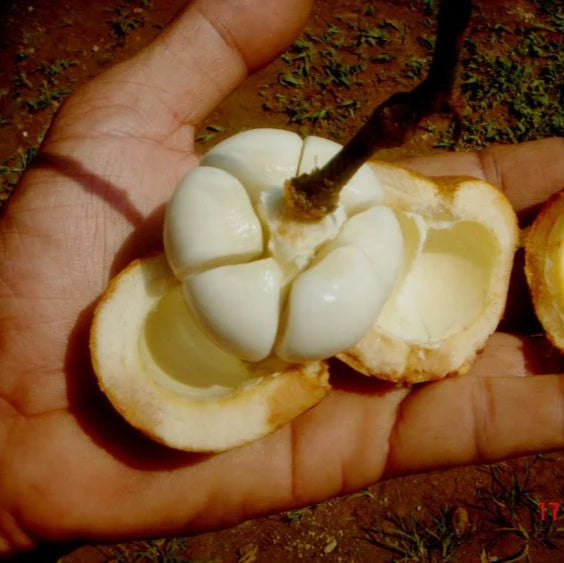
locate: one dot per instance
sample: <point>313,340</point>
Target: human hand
<point>70,468</point>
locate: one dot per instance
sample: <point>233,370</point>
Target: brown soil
<point>484,513</point>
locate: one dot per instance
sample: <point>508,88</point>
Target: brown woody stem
<point>310,197</point>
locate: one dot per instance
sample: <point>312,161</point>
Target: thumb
<point>204,54</point>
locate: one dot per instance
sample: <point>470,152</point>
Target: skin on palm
<point>69,466</point>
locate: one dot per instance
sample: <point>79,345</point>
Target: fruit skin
<point>129,376</point>
<point>544,248</point>
<point>390,358</point>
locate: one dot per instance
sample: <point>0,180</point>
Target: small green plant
<point>210,133</point>
<point>364,493</point>
<point>125,21</point>
<point>323,72</point>
<point>382,58</point>
<point>414,67</point>
<point>341,74</point>
<point>510,508</point>
<point>8,167</point>
<point>290,80</point>
<point>23,53</point>
<point>555,12</point>
<point>428,43</point>
<point>47,97</point>
<point>429,5</point>
<point>512,93</point>
<point>374,36</point>
<point>159,550</point>
<point>11,170</point>
<point>54,69</point>
<point>297,515</point>
<point>435,538</point>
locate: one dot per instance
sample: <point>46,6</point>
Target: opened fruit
<point>224,338</point>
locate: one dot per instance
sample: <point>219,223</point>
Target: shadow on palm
<point>86,401</point>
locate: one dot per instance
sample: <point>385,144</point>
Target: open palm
<point>69,466</point>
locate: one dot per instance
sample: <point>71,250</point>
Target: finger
<point>475,420</point>
<point>512,355</point>
<point>129,488</point>
<point>212,47</point>
<point>503,353</point>
<point>198,60</point>
<point>527,173</point>
<point>348,441</point>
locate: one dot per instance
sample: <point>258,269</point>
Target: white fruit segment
<point>259,158</point>
<point>292,243</point>
<point>362,191</point>
<point>377,233</point>
<point>239,305</point>
<point>236,283</point>
<point>331,306</point>
<point>446,282</point>
<point>210,221</point>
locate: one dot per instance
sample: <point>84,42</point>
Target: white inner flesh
<point>213,222</point>
<point>378,234</point>
<point>210,221</point>
<point>291,243</point>
<point>259,158</point>
<point>331,306</point>
<point>446,286</point>
<point>182,357</point>
<point>251,294</point>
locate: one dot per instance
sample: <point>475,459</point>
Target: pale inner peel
<point>181,357</point>
<point>446,285</point>
<point>554,269</point>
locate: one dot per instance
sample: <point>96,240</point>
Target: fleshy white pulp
<point>261,283</point>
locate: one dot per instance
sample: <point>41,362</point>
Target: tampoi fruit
<point>544,267</point>
<point>224,337</point>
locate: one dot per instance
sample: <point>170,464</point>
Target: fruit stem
<point>312,196</point>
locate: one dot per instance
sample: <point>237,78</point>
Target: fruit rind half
<point>442,203</point>
<point>131,352</point>
<point>544,254</point>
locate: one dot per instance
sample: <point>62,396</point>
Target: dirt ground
<point>351,56</point>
